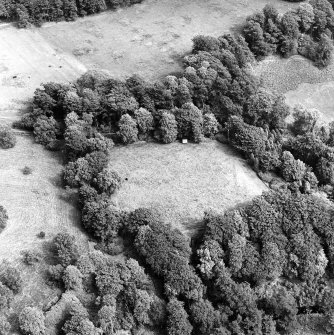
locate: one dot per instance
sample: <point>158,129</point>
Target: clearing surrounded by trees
<point>182,181</point>
<point>120,211</point>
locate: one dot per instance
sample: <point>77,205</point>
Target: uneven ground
<point>183,180</point>
<point>35,202</point>
<point>149,38</point>
<point>301,82</point>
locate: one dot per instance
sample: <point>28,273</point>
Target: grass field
<point>301,82</point>
<point>149,38</point>
<point>183,180</point>
<point>34,202</point>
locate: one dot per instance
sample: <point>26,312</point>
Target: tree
<point>144,122</point>
<point>204,317</point>
<point>304,120</point>
<point>253,34</point>
<point>72,278</point>
<point>323,51</point>
<point>80,326</point>
<point>305,17</point>
<point>292,169</point>
<point>85,169</point>
<point>31,321</point>
<point>66,248</point>
<point>7,137</point>
<point>168,128</point>
<point>189,122</point>
<point>289,26</point>
<point>177,319</point>
<point>210,125</point>
<point>46,130</point>
<point>4,325</point>
<point>107,181</point>
<point>128,129</point>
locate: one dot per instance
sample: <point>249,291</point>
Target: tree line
<point>35,12</point>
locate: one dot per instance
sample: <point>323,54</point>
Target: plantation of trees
<point>254,270</point>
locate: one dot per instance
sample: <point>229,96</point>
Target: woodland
<point>258,269</point>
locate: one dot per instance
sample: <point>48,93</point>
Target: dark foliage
<point>25,12</point>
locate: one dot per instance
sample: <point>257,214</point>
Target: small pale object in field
<point>184,141</point>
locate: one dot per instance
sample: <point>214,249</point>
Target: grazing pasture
<point>149,38</point>
<point>35,202</point>
<point>301,82</point>
<point>183,180</point>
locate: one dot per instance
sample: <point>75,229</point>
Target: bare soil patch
<point>183,180</point>
<point>149,38</point>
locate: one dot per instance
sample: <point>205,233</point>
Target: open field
<point>183,180</point>
<point>301,82</point>
<point>34,202</point>
<point>26,60</point>
<point>149,38</point>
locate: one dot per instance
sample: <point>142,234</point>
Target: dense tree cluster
<point>306,30</point>
<point>266,262</point>
<point>38,11</point>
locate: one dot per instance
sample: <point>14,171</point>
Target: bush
<point>10,277</point>
<point>7,137</point>
<point>27,170</point>
<point>128,131</point>
<point>41,234</point>
<point>31,257</point>
<point>3,218</point>
<point>31,321</point>
<point>55,273</point>
<point>6,297</point>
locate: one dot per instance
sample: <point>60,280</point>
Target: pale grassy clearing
<point>34,202</point>
<point>183,180</point>
<point>27,60</point>
<point>301,82</point>
<point>149,38</point>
